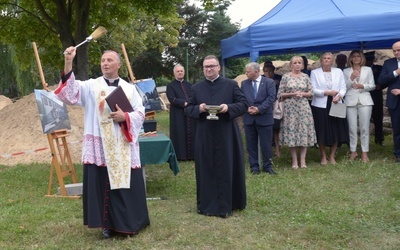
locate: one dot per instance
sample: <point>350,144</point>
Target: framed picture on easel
<point>148,90</point>
<point>53,113</point>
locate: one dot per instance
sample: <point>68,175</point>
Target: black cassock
<point>181,127</point>
<point>219,156</point>
<point>122,210</point>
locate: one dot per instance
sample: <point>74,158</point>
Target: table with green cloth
<point>156,149</point>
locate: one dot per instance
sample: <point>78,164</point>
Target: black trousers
<point>377,115</point>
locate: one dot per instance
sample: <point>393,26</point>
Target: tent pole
<point>187,65</point>
<point>223,67</point>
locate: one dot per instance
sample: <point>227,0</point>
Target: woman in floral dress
<point>297,127</point>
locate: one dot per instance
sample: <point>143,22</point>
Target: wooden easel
<point>60,154</point>
<point>59,150</point>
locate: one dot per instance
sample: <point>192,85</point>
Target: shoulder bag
<point>278,109</point>
<point>338,109</point>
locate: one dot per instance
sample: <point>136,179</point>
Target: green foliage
<point>55,25</point>
<point>163,81</point>
<point>200,36</point>
<point>8,83</point>
<point>235,67</point>
<point>350,205</point>
<point>15,82</point>
<point>147,29</point>
<point>315,56</point>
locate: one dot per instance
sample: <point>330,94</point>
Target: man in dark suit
<point>389,78</point>
<point>258,120</point>
<point>377,97</point>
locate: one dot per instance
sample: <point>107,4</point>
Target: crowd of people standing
<point>356,81</point>
<point>116,202</point>
<point>308,96</point>
<point>215,142</point>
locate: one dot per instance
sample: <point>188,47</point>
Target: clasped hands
<point>253,110</point>
<point>298,94</point>
<point>355,77</point>
<point>334,94</point>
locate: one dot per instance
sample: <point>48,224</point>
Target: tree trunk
<point>65,12</point>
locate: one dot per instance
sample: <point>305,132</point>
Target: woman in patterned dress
<point>297,127</point>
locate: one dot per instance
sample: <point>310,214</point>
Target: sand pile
<point>21,132</point>
<point>4,101</point>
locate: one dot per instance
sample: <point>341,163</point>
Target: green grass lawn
<point>350,205</point>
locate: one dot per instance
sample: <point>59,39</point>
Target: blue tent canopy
<point>298,26</point>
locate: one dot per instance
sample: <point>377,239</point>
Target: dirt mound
<point>4,101</point>
<point>21,133</point>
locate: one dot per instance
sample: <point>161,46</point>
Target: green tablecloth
<point>156,149</point>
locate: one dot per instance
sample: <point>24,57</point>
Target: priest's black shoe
<point>398,159</point>
<point>270,171</point>
<point>255,172</point>
<point>108,233</point>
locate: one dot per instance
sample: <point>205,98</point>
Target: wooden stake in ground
<point>59,149</point>
<point>128,64</point>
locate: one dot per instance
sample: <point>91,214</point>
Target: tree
<point>55,25</point>
<point>14,82</point>
<point>200,35</point>
<point>8,84</point>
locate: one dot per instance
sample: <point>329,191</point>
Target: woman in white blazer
<point>329,86</point>
<point>359,81</point>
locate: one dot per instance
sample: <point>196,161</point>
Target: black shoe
<point>398,159</point>
<point>270,171</point>
<point>108,233</point>
<point>255,172</point>
<point>380,143</point>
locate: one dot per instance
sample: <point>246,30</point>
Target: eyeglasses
<point>209,66</point>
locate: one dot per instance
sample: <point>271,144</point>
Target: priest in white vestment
<point>114,196</point>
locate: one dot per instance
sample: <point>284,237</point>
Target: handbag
<point>338,109</point>
<point>278,109</point>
